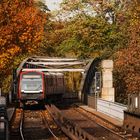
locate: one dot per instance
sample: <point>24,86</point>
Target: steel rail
<point>21,126</point>
<point>67,126</point>
<point>47,125</point>
<point>109,130</point>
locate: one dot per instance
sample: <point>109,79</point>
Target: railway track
<point>54,129</point>
<point>129,135</point>
<point>15,125</point>
<point>75,123</point>
<point>92,127</point>
<point>35,125</point>
<point>80,126</point>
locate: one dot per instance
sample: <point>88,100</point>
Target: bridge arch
<point>88,78</point>
<point>86,67</point>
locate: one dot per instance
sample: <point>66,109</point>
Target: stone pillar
<point>107,78</point>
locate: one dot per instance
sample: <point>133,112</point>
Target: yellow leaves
<point>21,31</point>
<point>23,37</point>
<point>8,55</point>
<point>14,50</point>
<point>2,41</point>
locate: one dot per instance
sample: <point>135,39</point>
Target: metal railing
<point>112,109</point>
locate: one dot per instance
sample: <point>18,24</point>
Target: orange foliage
<point>7,56</point>
<point>128,67</point>
<point>127,64</point>
<point>21,30</point>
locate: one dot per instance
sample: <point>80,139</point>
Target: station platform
<point>10,113</point>
<point>100,115</point>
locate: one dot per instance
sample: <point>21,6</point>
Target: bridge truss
<point>87,67</point>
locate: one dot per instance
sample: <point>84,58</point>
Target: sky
<point>53,4</point>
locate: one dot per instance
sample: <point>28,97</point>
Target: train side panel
<point>60,84</point>
<point>54,84</point>
<point>48,84</point>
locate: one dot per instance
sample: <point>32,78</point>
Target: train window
<point>31,84</point>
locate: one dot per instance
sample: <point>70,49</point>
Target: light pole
<point>97,87</point>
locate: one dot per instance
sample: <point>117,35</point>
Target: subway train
<point>36,87</point>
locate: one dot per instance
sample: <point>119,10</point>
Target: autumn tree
<point>106,9</point>
<point>90,28</point>
<point>127,61</point>
<point>22,28</point>
<point>54,35</point>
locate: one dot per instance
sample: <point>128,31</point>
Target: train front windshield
<point>31,83</point>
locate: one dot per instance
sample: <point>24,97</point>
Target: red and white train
<point>37,87</point>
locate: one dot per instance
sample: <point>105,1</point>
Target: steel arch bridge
<point>87,67</point>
